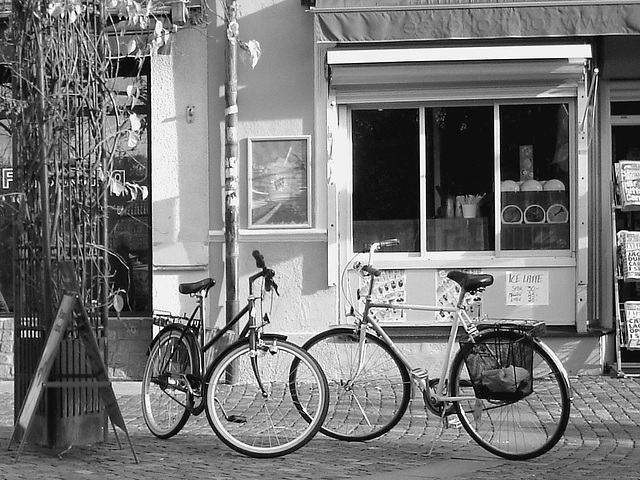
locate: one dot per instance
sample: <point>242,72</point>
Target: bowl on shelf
<point>553,185</point>
<point>509,186</point>
<point>531,186</point>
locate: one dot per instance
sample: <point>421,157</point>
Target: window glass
<point>460,159</point>
<point>625,108</point>
<point>128,202</point>
<point>441,181</point>
<point>129,215</point>
<point>6,215</point>
<point>534,170</point>
<point>386,177</point>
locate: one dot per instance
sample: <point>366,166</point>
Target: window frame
<point>434,259</point>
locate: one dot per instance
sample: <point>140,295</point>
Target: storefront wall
<point>360,74</point>
<point>275,108</point>
<point>620,73</point>
<point>288,94</point>
<point>180,187</point>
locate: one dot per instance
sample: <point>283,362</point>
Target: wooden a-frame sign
<point>70,303</point>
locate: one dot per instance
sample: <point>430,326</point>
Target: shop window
<point>386,177</point>
<point>128,206</point>
<point>129,219</point>
<point>7,205</point>
<point>431,172</point>
<point>459,178</point>
<point>534,155</point>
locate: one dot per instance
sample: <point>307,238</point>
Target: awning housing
<point>461,72</point>
<point>393,20</point>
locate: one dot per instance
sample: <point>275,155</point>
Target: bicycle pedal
<point>420,373</point>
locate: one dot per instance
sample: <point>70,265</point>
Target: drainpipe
<point>231,168</point>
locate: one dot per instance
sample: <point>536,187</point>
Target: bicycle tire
<point>376,401</point>
<point>514,428</point>
<point>271,426</point>
<point>165,396</point>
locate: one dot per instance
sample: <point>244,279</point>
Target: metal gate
<point>60,159</point>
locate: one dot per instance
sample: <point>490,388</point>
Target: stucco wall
<point>274,99</point>
<point>180,187</point>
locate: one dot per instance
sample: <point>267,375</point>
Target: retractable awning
<point>408,20</point>
<point>430,73</point>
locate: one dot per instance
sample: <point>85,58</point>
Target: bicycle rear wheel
<point>519,424</point>
<point>366,404</point>
<point>165,388</point>
<point>265,425</point>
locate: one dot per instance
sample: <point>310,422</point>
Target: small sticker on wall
<point>390,287</point>
<point>527,287</point>
<point>448,292</point>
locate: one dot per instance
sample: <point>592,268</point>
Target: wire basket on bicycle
<point>502,369</point>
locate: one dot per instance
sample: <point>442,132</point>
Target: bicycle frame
<point>250,328</point>
<point>460,318</point>
<point>419,376</point>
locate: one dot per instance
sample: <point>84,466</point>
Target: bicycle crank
<point>433,405</point>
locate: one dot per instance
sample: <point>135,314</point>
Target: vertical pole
<point>44,191</point>
<point>231,169</point>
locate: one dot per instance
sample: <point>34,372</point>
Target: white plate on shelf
<point>534,214</point>
<point>512,214</point>
<point>509,186</point>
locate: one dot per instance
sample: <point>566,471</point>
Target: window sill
<point>438,332</point>
<point>267,235</point>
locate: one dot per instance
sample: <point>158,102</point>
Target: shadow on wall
<point>270,94</point>
<point>580,356</point>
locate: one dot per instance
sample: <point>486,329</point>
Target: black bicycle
<point>252,395</point>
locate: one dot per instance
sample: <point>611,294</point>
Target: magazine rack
<point>625,216</point>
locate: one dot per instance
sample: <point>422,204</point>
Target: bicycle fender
<point>174,326</point>
<point>274,336</point>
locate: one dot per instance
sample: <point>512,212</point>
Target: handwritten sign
<point>632,319</point>
<point>527,288</point>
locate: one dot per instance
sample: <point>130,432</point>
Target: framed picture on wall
<point>279,182</point>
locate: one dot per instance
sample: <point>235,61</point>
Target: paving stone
<point>601,440</point>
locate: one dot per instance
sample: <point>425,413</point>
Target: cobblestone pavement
<point>600,442</point>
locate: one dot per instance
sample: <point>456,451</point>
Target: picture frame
<point>279,182</point>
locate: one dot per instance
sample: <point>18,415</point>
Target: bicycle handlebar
<point>267,273</point>
<point>391,242</point>
<point>259,259</point>
<point>371,270</point>
<point>374,247</point>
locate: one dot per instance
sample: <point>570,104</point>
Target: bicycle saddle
<point>470,282</point>
<point>195,287</point>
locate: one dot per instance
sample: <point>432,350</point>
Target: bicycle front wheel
<point>523,420</point>
<point>251,400</point>
<point>165,388</point>
<point>365,403</point>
